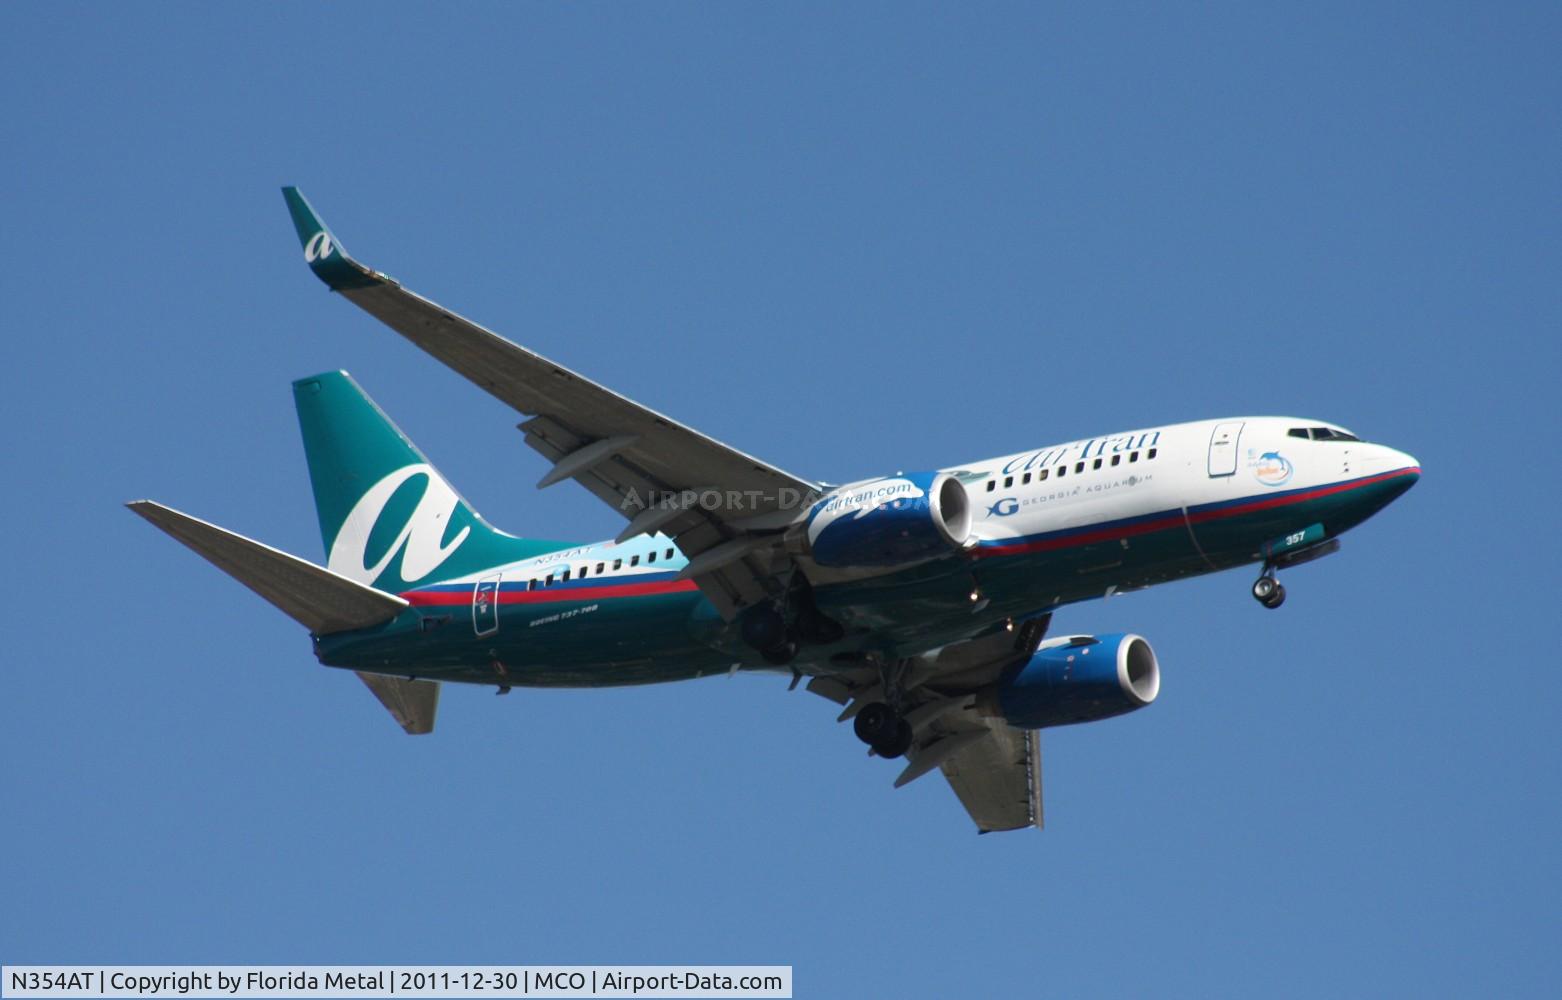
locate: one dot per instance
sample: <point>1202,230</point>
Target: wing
<point>650,468</point>
<point>994,768</point>
<point>997,776</point>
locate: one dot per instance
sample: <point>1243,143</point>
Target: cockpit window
<point>1330,434</point>
<point>1321,434</point>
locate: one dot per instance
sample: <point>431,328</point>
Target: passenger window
<point>1008,481</point>
<point>549,581</point>
<point>634,560</point>
<point>669,553</point>
<point>1041,475</point>
<point>1117,459</point>
<point>651,558</point>
<point>1079,467</point>
<point>992,484</point>
<point>564,576</point>
<point>618,564</point>
<point>1097,465</point>
<point>1026,480</point>
<point>583,570</point>
<point>600,567</point>
<point>1150,454</point>
<point>1133,456</point>
<point>1062,471</point>
<point>531,584</point>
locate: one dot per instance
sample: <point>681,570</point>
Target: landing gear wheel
<point>1264,588</point>
<point>896,745</point>
<point>876,723</point>
<point>1275,598</point>
<point>882,728</point>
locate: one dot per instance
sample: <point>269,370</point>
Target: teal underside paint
<point>579,641</point>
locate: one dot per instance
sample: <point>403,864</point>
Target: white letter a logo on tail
<point>419,539</point>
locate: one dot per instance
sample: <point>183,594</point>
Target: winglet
<point>322,251</point>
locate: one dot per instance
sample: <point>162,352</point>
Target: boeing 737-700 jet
<point>919,602</point>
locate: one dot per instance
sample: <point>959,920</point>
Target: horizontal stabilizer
<point>316,598</point>
<point>411,703</point>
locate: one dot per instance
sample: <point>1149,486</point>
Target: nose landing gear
<point>1267,590</point>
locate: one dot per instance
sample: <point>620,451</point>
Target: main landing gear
<point>1267,590</point>
<point>879,723</point>
<point>883,729</point>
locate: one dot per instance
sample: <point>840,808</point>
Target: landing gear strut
<point>1267,590</point>
<point>882,728</point>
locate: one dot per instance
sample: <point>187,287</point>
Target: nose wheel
<point>1267,590</point>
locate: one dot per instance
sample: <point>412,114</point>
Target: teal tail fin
<point>388,518</point>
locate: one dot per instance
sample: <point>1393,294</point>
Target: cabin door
<point>485,605</point>
<point>1223,449</point>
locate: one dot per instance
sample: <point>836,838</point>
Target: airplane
<point>919,602</point>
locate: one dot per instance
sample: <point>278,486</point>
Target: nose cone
<point>1384,476</point>
<point>1405,463</point>
<point>1399,470</point>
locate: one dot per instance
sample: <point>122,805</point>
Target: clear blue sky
<point>892,237</point>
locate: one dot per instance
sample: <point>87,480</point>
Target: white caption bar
<point>396,981</point>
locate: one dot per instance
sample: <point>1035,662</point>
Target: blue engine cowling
<point>1080,679</point>
<point>889,522</point>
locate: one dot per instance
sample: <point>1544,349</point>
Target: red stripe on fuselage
<point>546,595</point>
<point>1268,503</point>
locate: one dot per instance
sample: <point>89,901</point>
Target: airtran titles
<point>1080,450</point>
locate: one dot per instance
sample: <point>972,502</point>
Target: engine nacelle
<point>1079,679</point>
<point>888,522</point>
